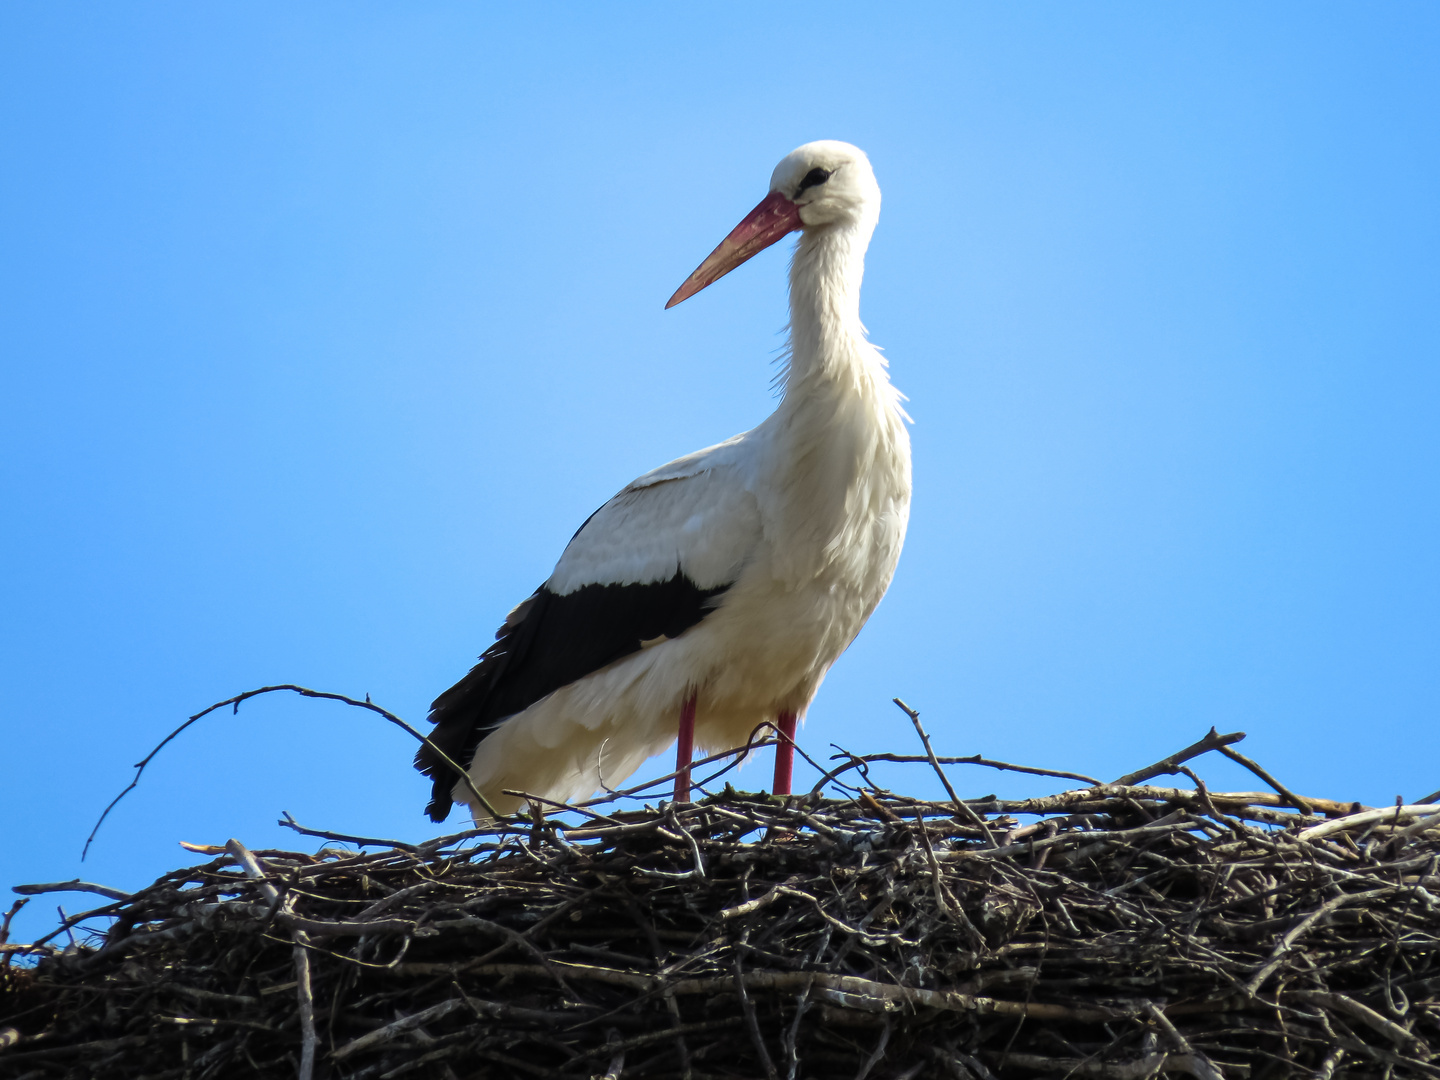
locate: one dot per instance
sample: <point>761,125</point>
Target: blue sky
<point>322,329</point>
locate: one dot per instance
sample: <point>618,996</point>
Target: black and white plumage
<point>737,574</point>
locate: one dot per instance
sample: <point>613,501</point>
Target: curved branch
<point>303,691</point>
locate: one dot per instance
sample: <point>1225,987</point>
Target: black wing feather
<point>548,642</point>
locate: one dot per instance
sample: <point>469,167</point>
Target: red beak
<point>776,216</point>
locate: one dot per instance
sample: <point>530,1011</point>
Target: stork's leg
<point>685,749</point>
<point>784,753</point>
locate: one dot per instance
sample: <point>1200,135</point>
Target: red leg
<point>685,749</point>
<point>784,753</point>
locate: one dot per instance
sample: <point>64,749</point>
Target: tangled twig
<point>1113,930</point>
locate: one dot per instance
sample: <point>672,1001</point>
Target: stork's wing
<point>648,565</point>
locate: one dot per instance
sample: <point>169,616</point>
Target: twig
<point>738,752</point>
<point>617,1060</point>
<point>398,1027</point>
<point>751,1024</point>
<point>74,885</point>
<point>305,998</point>
<point>68,924</point>
<point>1213,741</point>
<point>751,906</point>
<point>960,807</point>
<point>660,1035</point>
<point>304,994</point>
<point>678,937</point>
<point>853,762</point>
<point>1202,1068</point>
<point>879,809</point>
<point>876,1054</point>
<point>1327,1067</point>
<point>234,703</point>
<point>1367,817</point>
<point>9,915</point>
<point>1292,935</point>
<point>1366,1015</point>
<point>324,834</point>
<point>1419,825</point>
<point>563,806</point>
<point>865,993</point>
<point>1255,767</point>
<point>1140,1069</point>
<point>989,763</point>
<point>802,1002</point>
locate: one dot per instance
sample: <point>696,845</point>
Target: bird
<point>711,595</point>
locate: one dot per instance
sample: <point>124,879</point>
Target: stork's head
<point>821,185</point>
<point>831,183</point>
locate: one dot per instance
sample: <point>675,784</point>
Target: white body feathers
<point>805,514</point>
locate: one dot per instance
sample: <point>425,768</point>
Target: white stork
<point>710,595</point>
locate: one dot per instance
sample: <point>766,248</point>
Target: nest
<point>1114,930</point>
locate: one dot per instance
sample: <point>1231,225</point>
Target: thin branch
<point>9,915</point>
<point>324,834</point>
<point>304,995</point>
<point>1254,766</point>
<point>1202,1067</point>
<point>751,1024</point>
<point>868,994</point>
<point>1213,741</point>
<point>1367,817</point>
<point>976,759</point>
<point>1141,1069</point>
<point>853,762</point>
<point>876,1054</point>
<point>74,885</point>
<point>1284,945</point>
<point>303,691</point>
<point>960,808</point>
<point>1101,900</point>
<point>739,753</point>
<point>1366,1015</point>
<point>399,1027</point>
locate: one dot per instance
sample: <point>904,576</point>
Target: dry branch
<point>1119,930</point>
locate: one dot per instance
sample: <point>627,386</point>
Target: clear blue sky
<point>324,327</point>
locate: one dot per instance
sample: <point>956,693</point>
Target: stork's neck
<point>827,340</point>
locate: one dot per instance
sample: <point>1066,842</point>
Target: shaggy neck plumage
<point>827,339</point>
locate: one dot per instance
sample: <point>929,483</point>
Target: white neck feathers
<point>827,339</point>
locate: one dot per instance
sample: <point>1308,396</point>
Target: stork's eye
<point>813,178</point>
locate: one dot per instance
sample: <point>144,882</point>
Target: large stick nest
<point>1117,930</point>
